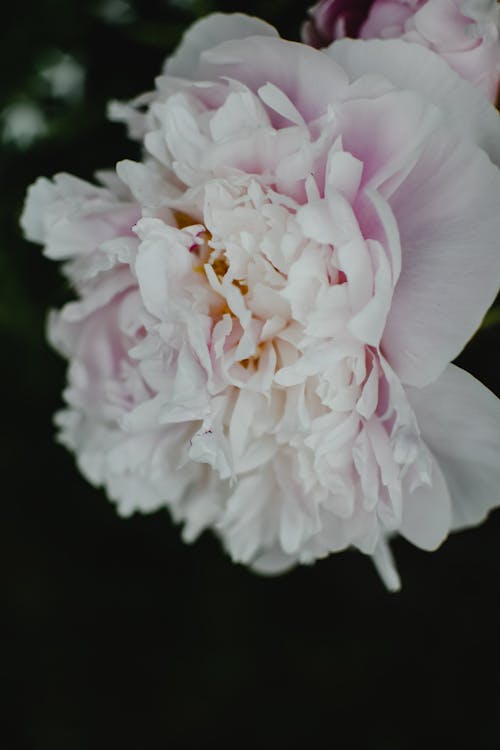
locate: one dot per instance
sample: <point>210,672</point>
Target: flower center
<point>205,252</point>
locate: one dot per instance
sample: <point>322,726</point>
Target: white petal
<point>280,103</point>
<point>386,568</point>
<point>426,518</point>
<point>343,174</point>
<point>460,422</point>
<point>273,562</point>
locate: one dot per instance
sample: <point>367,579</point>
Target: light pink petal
<point>147,183</point>
<point>260,152</point>
<point>386,19</point>
<point>368,323</point>
<point>460,422</point>
<point>209,32</point>
<point>343,174</point>
<point>413,67</point>
<point>443,25</point>
<point>426,518</point>
<point>162,265</point>
<point>480,65</point>
<point>72,217</point>
<point>448,214</point>
<point>291,67</point>
<point>387,133</point>
<point>377,222</point>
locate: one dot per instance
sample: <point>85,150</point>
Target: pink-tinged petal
<point>427,515</point>
<point>43,198</point>
<point>368,324</point>
<point>118,281</point>
<point>377,222</point>
<point>72,217</point>
<point>386,19</point>
<point>208,33</point>
<point>132,115</point>
<point>387,133</point>
<point>355,261</point>
<point>413,67</point>
<point>291,67</point>
<point>317,221</point>
<point>241,113</point>
<point>162,265</point>
<point>480,66</point>
<point>147,183</point>
<point>460,422</point>
<point>343,174</point>
<point>260,152</point>
<point>448,213</point>
<point>442,25</point>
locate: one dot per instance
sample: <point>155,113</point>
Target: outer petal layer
<point>460,422</point>
<point>208,33</point>
<point>450,264</point>
<point>410,66</point>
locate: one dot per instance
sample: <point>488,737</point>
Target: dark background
<point>115,633</point>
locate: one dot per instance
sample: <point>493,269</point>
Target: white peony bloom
<point>268,309</point>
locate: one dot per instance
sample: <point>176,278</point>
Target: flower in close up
<point>465,33</point>
<point>268,303</point>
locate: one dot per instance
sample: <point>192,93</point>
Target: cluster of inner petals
<point>206,256</point>
<point>352,434</point>
<point>247,369</point>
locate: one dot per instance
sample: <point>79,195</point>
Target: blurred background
<point>115,633</point>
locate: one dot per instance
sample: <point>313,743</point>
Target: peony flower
<point>268,304</point>
<point>465,33</point>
